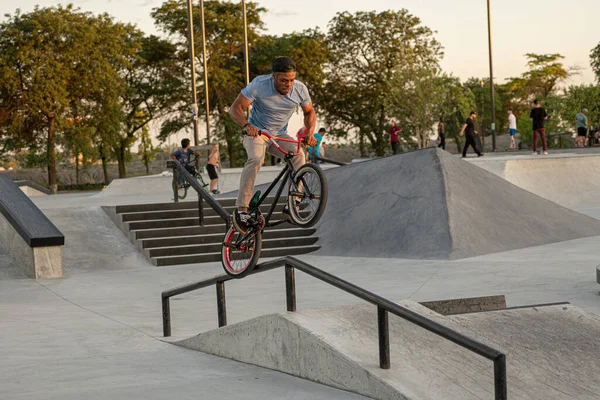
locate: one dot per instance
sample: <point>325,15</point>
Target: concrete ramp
<point>552,352</point>
<point>569,180</point>
<point>428,204</point>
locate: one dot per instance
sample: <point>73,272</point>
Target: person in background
<point>468,129</point>
<point>314,151</point>
<point>539,117</point>
<point>183,156</point>
<point>442,134</point>
<point>394,138</point>
<point>512,128</point>
<point>582,127</point>
<point>211,167</point>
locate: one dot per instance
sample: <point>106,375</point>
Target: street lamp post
<point>482,122</point>
<point>205,73</point>
<point>491,79</point>
<point>193,71</point>
<point>246,61</point>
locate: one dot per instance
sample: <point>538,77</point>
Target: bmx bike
<point>306,201</point>
<point>182,189</point>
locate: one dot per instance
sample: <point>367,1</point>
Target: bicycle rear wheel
<point>307,197</point>
<point>239,259</point>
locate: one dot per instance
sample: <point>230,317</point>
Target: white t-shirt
<point>512,121</point>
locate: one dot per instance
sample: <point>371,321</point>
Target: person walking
<point>512,129</point>
<point>211,168</point>
<point>582,127</point>
<point>394,138</point>
<point>468,130</point>
<point>442,134</point>
<point>539,117</point>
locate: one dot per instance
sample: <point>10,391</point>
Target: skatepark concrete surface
<point>96,333</point>
<point>432,205</point>
<point>552,351</point>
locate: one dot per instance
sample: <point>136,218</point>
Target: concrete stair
<point>169,233</point>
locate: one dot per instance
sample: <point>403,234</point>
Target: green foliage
<point>541,80</point>
<point>595,61</point>
<point>366,50</point>
<point>66,63</point>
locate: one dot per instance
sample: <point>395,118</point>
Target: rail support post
<point>200,210</point>
<point>500,377</point>
<point>221,306</point>
<point>166,312</point>
<point>384,338</point>
<point>175,179</point>
<point>290,288</point>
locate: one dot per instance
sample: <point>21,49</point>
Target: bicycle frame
<point>287,174</point>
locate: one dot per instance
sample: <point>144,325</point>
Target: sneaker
<point>535,153</point>
<point>545,153</point>
<point>216,192</point>
<point>242,221</point>
<point>480,155</point>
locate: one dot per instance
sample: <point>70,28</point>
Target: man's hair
<point>322,130</point>
<point>441,119</point>
<point>472,113</point>
<point>536,102</point>
<point>510,109</point>
<point>185,143</point>
<point>283,64</point>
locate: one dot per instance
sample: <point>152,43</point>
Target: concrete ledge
<point>29,237</point>
<point>34,262</point>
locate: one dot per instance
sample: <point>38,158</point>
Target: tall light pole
<point>246,62</point>
<point>491,78</point>
<point>205,73</point>
<point>192,70</point>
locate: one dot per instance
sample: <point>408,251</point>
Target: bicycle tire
<point>308,174</point>
<point>181,192</point>
<point>243,265</point>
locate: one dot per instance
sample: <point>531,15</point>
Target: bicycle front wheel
<point>307,197</point>
<point>239,256</point>
<point>181,191</point>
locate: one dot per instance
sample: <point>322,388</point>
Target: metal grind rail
<point>384,307</point>
<point>179,170</point>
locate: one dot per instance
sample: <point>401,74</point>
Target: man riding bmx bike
<point>274,98</point>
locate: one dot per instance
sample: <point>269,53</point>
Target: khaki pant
<point>255,148</point>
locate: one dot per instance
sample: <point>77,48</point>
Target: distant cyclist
<point>274,99</point>
<point>183,156</point>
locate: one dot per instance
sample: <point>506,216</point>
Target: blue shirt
<point>183,156</point>
<point>272,111</point>
<point>315,149</point>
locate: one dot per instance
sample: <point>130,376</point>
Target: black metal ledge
<point>33,226</point>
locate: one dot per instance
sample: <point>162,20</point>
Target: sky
<point>570,28</point>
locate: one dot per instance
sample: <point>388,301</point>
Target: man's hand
<point>310,140</point>
<point>251,131</point>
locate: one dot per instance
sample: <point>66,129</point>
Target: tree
<point>152,87</point>
<point>574,99</point>
<point>366,49</point>
<point>225,59</point>
<point>53,61</point>
<point>545,73</point>
<point>595,61</point>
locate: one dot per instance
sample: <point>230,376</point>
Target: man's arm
<point>462,131</point>
<point>236,112</point>
<point>310,122</point>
